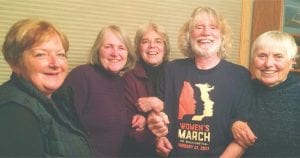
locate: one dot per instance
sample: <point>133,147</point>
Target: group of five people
<point>133,102</point>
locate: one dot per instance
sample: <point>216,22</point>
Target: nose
<point>114,52</point>
<point>205,31</point>
<point>53,61</point>
<point>269,62</point>
<point>151,43</point>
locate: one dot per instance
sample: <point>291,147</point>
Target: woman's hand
<point>157,123</point>
<point>242,134</point>
<point>146,104</point>
<point>163,146</point>
<point>138,122</point>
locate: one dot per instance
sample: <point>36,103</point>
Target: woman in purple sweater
<point>99,91</point>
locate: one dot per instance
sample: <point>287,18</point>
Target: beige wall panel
<point>81,20</point>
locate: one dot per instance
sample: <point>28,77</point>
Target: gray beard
<point>198,51</point>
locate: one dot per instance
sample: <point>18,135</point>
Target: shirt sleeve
<point>77,80</point>
<point>20,133</point>
<point>130,92</point>
<point>245,101</point>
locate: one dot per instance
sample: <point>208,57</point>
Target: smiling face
<point>205,35</point>
<point>271,65</point>
<point>44,65</point>
<point>152,48</point>
<point>113,53</point>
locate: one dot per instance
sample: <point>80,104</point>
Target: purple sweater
<point>99,101</point>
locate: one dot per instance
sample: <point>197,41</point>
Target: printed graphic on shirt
<point>192,133</point>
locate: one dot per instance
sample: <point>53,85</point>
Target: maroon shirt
<point>99,100</point>
<point>137,85</point>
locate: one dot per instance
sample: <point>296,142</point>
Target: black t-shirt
<point>202,104</point>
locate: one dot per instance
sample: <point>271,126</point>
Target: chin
<point>113,71</point>
<point>53,87</point>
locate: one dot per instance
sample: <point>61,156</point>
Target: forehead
<point>151,33</point>
<point>111,36</point>
<point>46,40</point>
<point>271,50</point>
<point>204,17</point>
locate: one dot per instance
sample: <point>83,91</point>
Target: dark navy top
<point>276,119</point>
<point>201,105</point>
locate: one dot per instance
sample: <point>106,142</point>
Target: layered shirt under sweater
<point>140,82</point>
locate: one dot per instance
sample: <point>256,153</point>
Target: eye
<point>39,53</point>
<point>261,55</point>
<point>213,27</point>
<point>279,56</point>
<point>199,27</point>
<point>107,46</point>
<point>159,41</point>
<point>122,48</point>
<point>62,54</point>
<point>145,42</point>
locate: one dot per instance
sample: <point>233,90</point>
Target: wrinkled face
<point>113,53</point>
<point>45,66</point>
<point>271,65</point>
<point>152,48</point>
<point>205,36</point>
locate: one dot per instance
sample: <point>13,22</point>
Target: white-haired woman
<point>273,130</point>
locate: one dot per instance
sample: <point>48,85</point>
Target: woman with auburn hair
<point>37,115</point>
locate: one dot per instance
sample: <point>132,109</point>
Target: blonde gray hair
<point>158,29</point>
<point>185,31</point>
<point>94,57</point>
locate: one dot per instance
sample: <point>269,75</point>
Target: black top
<point>201,105</point>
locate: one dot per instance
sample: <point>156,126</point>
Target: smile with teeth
<point>268,72</point>
<point>114,60</point>
<point>152,53</point>
<point>52,73</point>
<point>204,41</point>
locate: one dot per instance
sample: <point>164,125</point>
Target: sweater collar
<point>28,88</point>
<point>260,86</point>
<point>59,96</point>
<point>143,70</point>
<point>102,70</point>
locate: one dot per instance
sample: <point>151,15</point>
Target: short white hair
<point>278,39</point>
